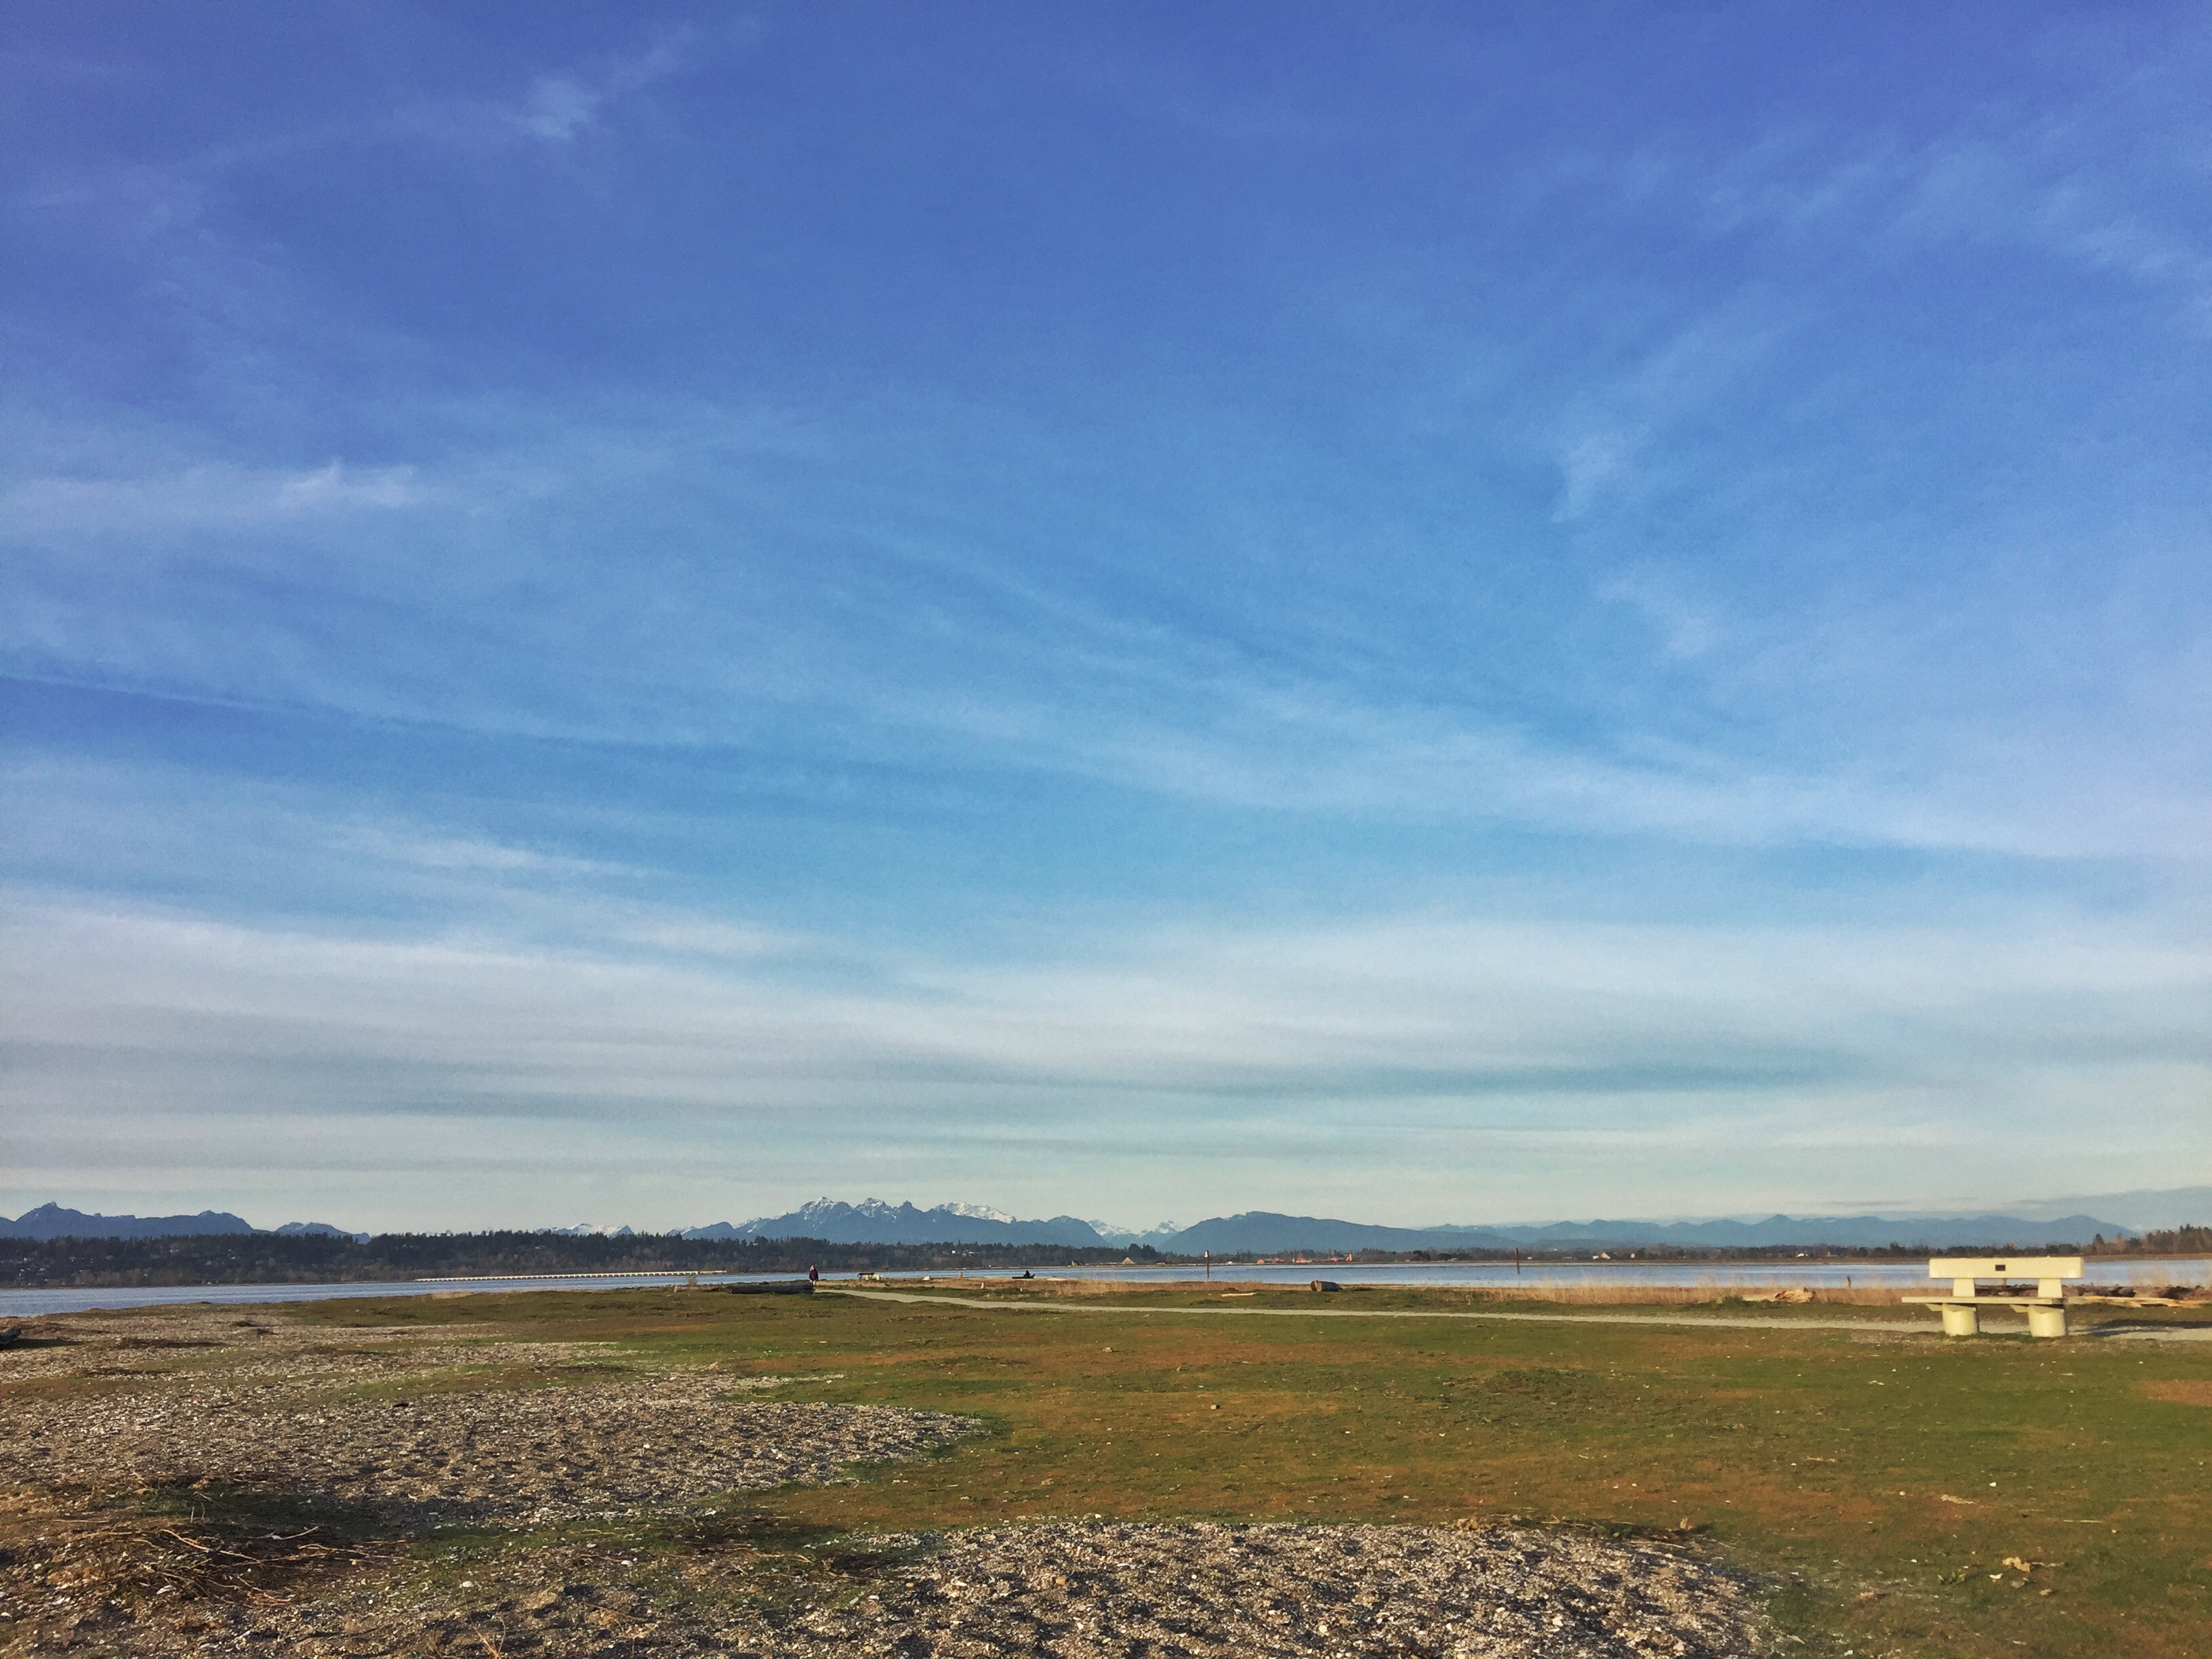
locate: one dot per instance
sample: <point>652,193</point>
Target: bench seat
<point>1962,1309</point>
<point>1984,1301</point>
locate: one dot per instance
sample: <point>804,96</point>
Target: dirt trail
<point>1701,1322</point>
<point>1888,1328</point>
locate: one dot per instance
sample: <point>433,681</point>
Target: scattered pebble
<point>192,1398</point>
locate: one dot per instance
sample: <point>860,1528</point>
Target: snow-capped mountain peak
<point>1114,1233</point>
<point>872,1221</point>
<point>867,1206</point>
<point>977,1211</point>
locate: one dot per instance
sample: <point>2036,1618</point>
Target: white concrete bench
<point>1962,1309</point>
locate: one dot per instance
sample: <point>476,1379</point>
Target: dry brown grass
<point>199,1542</point>
<point>1040,1286</point>
<point>1779,1290</point>
<point>1533,1288</point>
<point>1581,1293</point>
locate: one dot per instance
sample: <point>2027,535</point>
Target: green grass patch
<point>1876,1485</point>
<point>1878,1481</point>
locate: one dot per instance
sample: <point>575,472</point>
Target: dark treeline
<point>266,1259</point>
<point>2170,1241</point>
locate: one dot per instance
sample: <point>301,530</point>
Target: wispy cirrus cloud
<point>201,498</point>
<point>559,107</point>
<point>2076,186</point>
<point>912,604</point>
<point>1007,666</point>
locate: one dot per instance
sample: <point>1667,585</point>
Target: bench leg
<point>2047,1321</point>
<point>1962,1321</point>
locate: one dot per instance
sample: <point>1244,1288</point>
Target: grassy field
<point>1880,1481</point>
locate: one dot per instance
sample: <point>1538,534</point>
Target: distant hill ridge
<point>2161,1211</point>
<point>875,1222</point>
<point>53,1221</point>
<point>1259,1230</point>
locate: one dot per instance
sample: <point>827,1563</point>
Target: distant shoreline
<point>1584,1281</point>
<point>274,1260</point>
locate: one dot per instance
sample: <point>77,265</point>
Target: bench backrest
<point>1963,1270</point>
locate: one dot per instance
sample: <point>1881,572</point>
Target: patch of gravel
<point>251,1404</point>
<point>195,1348</point>
<point>523,1455</point>
<point>206,1394</point>
<point>1070,1591</point>
<point>1289,1590</point>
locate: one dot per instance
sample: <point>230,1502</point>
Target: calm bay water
<point>1567,1275</point>
<point>1563,1275</point>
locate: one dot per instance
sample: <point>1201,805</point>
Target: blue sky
<point>1423,613</point>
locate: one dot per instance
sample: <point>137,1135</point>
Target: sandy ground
<point>202,1483</point>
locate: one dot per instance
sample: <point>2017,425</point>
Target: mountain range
<point>874,1222</point>
<point>2026,1225</point>
<point>52,1221</point>
<point>1259,1230</point>
<point>2144,1211</point>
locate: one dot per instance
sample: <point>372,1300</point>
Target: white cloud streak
<point>1733,1049</point>
<point>560,109</point>
<point>200,498</point>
